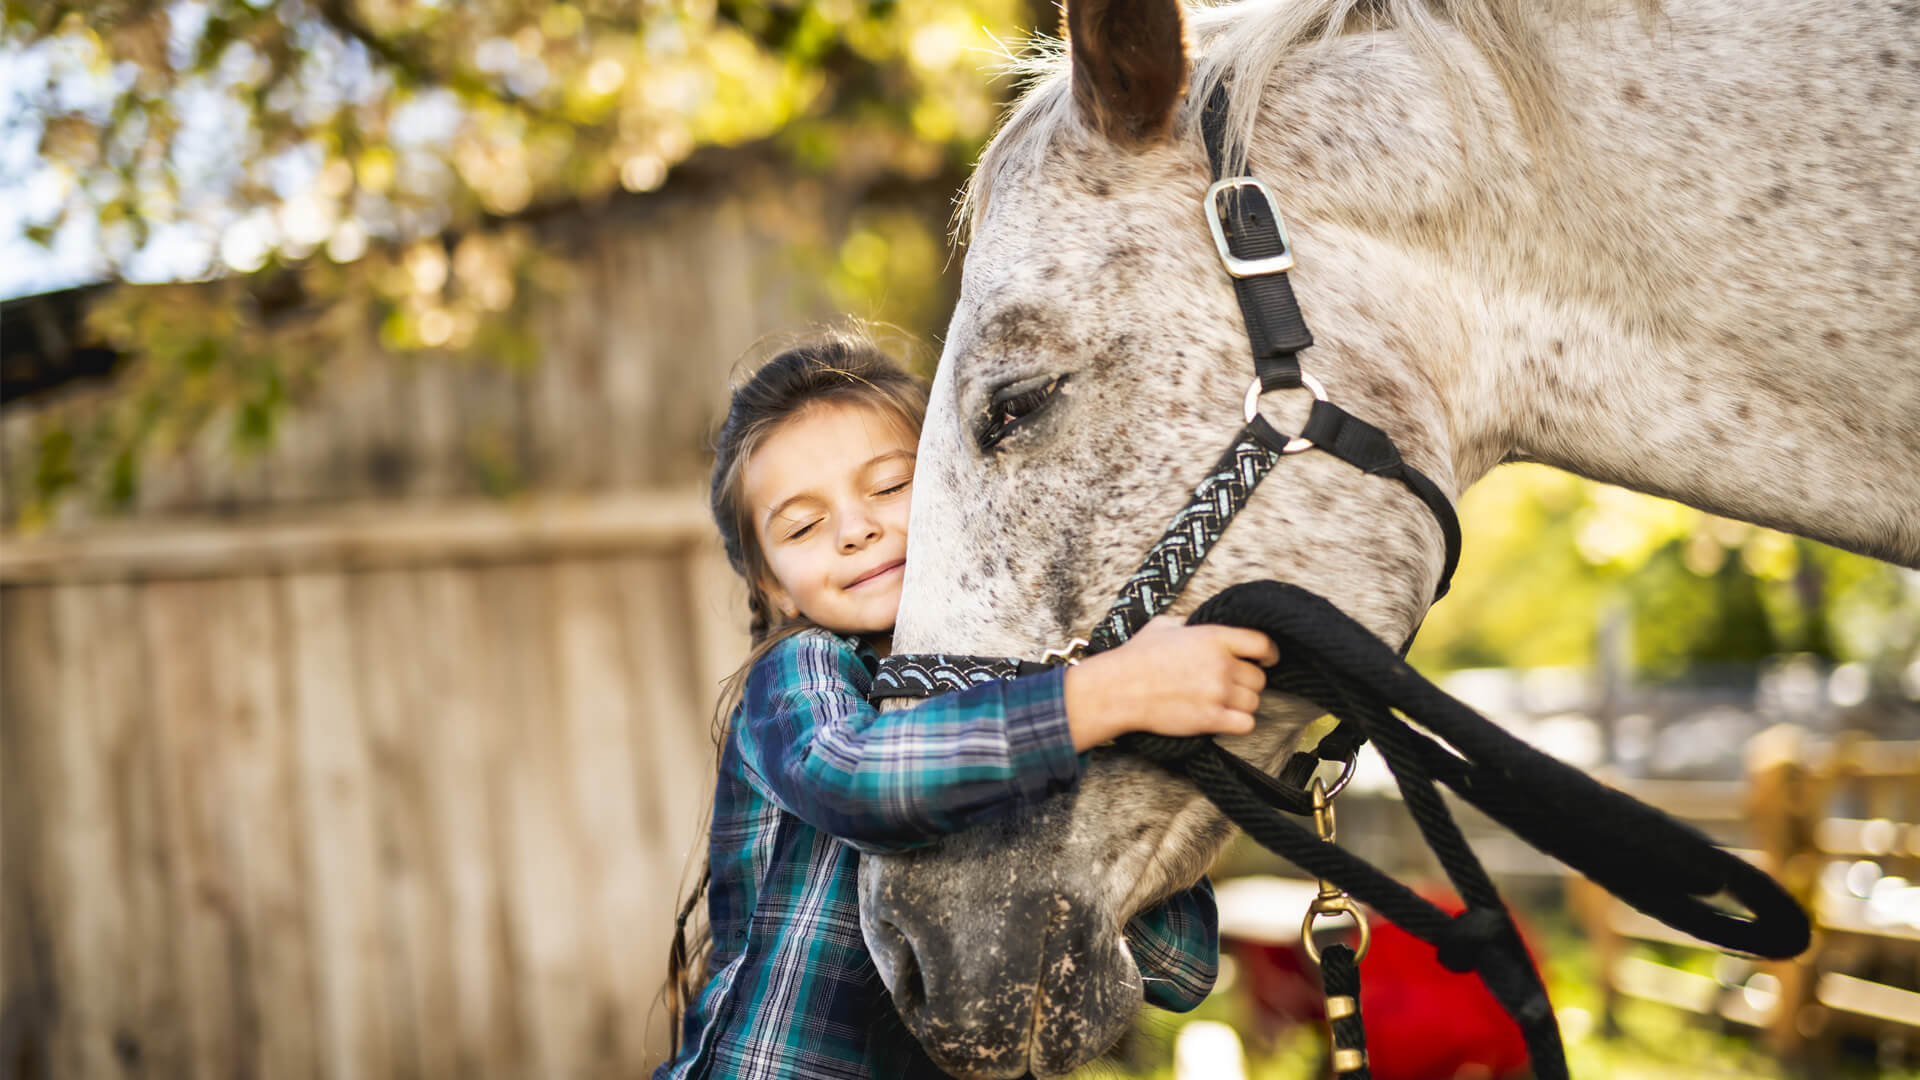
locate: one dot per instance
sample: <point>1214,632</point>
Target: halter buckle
<point>1069,655</point>
<point>1237,266</point>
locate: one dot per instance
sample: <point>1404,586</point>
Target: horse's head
<point>1095,312</point>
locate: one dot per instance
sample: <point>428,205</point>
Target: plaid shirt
<point>809,774</point>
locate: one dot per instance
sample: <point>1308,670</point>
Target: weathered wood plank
<point>112,937</point>
<point>80,942</point>
<point>258,746</point>
<point>212,952</point>
<point>296,467</point>
<point>19,453</point>
<point>372,452</point>
<point>436,427</point>
<point>568,410</point>
<point>467,792</point>
<point>669,718</point>
<point>387,628</point>
<point>29,779</point>
<point>736,264</point>
<point>607,772</point>
<point>700,336</point>
<point>631,349</point>
<point>544,859</point>
<point>149,1038</point>
<point>337,815</point>
<point>491,400</point>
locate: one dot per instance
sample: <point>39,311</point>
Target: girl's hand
<point>1170,679</point>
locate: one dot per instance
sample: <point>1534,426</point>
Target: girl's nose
<point>857,531</point>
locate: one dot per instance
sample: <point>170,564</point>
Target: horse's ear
<point>1129,65</point>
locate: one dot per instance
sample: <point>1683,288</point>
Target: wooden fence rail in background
<point>393,794</point>
<point>1816,814</point>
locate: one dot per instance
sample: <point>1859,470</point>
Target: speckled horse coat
<point>1674,251</point>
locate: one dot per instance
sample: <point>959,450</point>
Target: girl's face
<point>829,491</point>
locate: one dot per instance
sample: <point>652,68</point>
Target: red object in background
<point>1423,1022</point>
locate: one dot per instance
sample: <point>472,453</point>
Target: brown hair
<point>843,368</point>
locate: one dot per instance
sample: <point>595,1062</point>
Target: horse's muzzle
<point>997,975</point>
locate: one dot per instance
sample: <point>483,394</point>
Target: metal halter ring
<point>1334,905</point>
<point>1252,409</point>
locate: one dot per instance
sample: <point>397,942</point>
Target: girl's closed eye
<point>895,487</point>
<point>802,530</point>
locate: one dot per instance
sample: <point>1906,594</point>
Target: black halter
<point>1655,863</point>
<point>1252,242</point>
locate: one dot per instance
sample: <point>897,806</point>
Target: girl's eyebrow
<point>888,456</point>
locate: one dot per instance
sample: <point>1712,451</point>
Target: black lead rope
<point>1645,857</point>
<point>1340,980</point>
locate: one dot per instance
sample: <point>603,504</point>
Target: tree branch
<point>340,15</point>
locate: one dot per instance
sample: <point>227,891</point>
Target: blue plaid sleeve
<point>884,781</point>
<point>1176,945</point>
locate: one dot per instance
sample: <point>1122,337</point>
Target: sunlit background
<point>362,622</point>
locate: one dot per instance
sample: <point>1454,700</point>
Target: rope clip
<point>1332,900</point>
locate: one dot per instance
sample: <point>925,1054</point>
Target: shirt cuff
<point>1038,735</point>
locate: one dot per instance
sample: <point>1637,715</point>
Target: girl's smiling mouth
<point>876,573</point>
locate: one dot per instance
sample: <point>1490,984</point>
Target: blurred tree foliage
<point>1550,559</point>
<point>381,158</point>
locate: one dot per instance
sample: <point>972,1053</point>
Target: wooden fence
<point>395,794</point>
<point>324,763</point>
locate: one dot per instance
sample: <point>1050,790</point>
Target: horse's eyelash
<point>1001,415</point>
<point>1019,406</point>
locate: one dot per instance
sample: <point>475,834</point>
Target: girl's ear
<point>778,598</point>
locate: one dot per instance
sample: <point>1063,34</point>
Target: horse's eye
<point>1013,403</point>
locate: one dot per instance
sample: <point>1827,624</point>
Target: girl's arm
<point>888,781</point>
<point>1176,946</point>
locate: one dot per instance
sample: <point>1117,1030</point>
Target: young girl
<point>810,491</point>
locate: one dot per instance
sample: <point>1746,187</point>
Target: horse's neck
<point>1794,438</point>
<point>1717,304</point>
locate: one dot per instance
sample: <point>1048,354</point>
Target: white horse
<point>1674,251</point>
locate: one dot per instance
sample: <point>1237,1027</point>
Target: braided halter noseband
<point>1659,865</point>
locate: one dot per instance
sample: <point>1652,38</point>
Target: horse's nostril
<point>909,990</point>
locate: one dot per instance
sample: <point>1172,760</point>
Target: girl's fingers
<point>1241,699</point>
<point>1249,645</point>
<point>1249,675</point>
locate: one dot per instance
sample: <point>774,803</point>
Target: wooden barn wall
<point>326,763</point>
<point>419,821</point>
